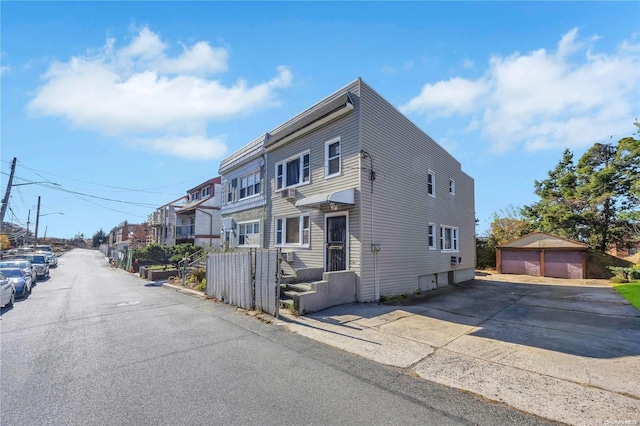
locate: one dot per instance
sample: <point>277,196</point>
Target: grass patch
<point>630,291</point>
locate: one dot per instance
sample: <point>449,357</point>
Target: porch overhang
<point>339,198</point>
<point>320,116</point>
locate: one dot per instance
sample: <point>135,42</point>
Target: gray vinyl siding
<point>249,216</point>
<point>345,127</point>
<point>401,210</point>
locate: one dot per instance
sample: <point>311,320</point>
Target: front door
<point>336,243</point>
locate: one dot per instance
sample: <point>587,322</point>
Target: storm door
<point>336,256</point>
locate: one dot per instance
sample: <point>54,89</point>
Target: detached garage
<point>541,254</point>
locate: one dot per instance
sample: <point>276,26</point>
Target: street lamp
<point>35,237</point>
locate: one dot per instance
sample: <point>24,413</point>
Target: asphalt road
<point>95,346</point>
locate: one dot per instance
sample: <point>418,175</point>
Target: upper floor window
<point>432,236</point>
<point>195,196</point>
<point>293,230</point>
<point>206,191</point>
<point>332,158</point>
<point>229,192</point>
<point>249,185</point>
<point>292,172</point>
<point>448,238</point>
<point>249,234</point>
<point>431,183</point>
<point>452,187</point>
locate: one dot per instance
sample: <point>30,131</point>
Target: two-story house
<point>162,222</point>
<point>353,185</point>
<point>243,196</point>
<point>198,220</point>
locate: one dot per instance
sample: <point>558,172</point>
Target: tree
<point>99,238</point>
<point>5,244</point>
<point>595,202</point>
<point>507,224</point>
<point>558,210</point>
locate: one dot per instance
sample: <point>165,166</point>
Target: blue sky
<point>127,105</point>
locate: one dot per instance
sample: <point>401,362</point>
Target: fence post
<point>278,254</point>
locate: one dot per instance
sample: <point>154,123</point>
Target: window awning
<point>345,197</point>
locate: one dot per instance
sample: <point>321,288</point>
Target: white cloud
<point>193,147</point>
<point>138,88</point>
<point>568,98</point>
<point>445,98</point>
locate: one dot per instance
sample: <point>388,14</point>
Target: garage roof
<point>537,240</point>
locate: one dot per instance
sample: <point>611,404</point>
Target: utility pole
<point>35,238</point>
<point>26,238</point>
<point>5,200</point>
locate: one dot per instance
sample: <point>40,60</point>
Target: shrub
<point>619,280</point>
<point>202,286</point>
<point>627,273</point>
<point>181,251</point>
<point>154,252</point>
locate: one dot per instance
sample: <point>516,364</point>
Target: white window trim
<point>433,183</point>
<point>256,172</point>
<point>326,158</point>
<point>452,187</point>
<point>455,235</point>
<point>202,192</point>
<point>284,231</point>
<point>252,222</point>
<point>284,162</point>
<point>228,190</point>
<point>432,235</point>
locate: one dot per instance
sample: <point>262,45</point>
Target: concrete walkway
<point>565,350</point>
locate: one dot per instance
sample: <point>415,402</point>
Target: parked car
<point>51,258</point>
<point>7,292</point>
<point>21,282</point>
<point>28,268</point>
<point>39,261</point>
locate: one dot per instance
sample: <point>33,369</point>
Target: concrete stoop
<point>336,288</point>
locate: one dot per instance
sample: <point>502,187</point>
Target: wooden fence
<point>248,279</point>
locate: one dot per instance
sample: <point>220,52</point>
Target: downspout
<point>210,226</point>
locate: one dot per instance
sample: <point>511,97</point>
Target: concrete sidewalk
<point>567,351</point>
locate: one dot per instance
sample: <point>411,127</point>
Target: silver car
<point>7,292</point>
<point>52,259</point>
<point>21,282</point>
<point>23,264</point>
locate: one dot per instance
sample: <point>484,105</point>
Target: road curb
<point>190,292</point>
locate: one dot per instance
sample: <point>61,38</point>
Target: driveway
<point>566,350</point>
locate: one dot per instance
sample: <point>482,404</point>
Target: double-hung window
<point>332,158</point>
<point>431,183</point>
<point>195,196</point>
<point>250,185</point>
<point>228,192</point>
<point>249,234</point>
<point>431,227</point>
<point>293,172</point>
<point>452,187</point>
<point>293,230</point>
<point>205,191</point>
<point>448,238</point>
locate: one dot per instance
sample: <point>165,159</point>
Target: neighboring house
<point>625,252</point>
<point>543,255</point>
<point>357,192</point>
<point>243,196</point>
<point>198,220</point>
<point>126,231</point>
<point>162,223</point>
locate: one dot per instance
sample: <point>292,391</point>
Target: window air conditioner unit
<point>286,256</point>
<point>289,193</point>
<point>454,260</point>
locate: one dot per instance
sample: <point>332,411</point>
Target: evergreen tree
<point>597,201</point>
